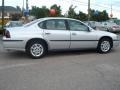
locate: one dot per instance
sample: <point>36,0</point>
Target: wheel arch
<point>38,39</point>
<point>108,37</point>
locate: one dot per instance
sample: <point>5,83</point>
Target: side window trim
<point>67,25</point>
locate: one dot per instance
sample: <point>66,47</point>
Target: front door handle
<point>74,34</point>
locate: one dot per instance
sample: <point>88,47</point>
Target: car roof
<point>46,18</point>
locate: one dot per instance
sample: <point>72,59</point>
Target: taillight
<point>115,26</point>
<point>7,34</point>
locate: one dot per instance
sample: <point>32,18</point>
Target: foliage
<point>39,12</point>
<point>100,16</point>
<point>81,16</point>
<point>18,8</point>
<point>71,12</point>
<point>58,10</point>
<point>94,15</point>
<point>15,17</point>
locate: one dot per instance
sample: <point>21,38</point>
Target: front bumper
<point>116,43</point>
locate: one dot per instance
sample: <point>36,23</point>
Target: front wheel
<point>104,45</point>
<point>36,49</point>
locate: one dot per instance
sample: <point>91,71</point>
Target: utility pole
<point>26,11</point>
<point>111,15</point>
<point>88,10</point>
<point>3,14</point>
<point>23,8</point>
<point>27,5</point>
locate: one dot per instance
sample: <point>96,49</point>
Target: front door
<point>81,37</point>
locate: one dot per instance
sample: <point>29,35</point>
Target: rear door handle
<point>47,33</point>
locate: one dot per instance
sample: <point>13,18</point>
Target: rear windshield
<point>32,22</point>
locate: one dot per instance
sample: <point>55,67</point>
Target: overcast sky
<point>81,5</point>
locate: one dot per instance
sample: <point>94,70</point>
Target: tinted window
<point>55,25</point>
<point>77,26</point>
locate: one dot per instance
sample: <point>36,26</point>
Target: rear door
<point>56,34</point>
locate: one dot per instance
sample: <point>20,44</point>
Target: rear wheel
<point>104,45</point>
<point>36,49</point>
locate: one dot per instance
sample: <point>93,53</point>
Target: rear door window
<point>55,24</point>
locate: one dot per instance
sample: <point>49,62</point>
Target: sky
<point>81,5</point>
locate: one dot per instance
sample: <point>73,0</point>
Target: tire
<point>36,49</point>
<point>104,45</point>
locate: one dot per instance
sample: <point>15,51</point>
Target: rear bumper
<point>13,44</point>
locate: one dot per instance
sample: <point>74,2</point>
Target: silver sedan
<point>56,33</point>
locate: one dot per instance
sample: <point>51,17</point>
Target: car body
<point>57,33</point>
<point>92,24</point>
<point>111,26</point>
<point>95,25</point>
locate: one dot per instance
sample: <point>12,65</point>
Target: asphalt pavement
<point>1,45</point>
<point>73,70</point>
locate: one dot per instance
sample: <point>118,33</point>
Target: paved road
<point>77,70</point>
<point>1,48</point>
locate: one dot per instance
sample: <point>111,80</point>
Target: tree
<point>105,15</point>
<point>81,16</point>
<point>98,15</point>
<point>39,12</point>
<point>58,10</point>
<point>18,8</point>
<point>16,16</point>
<point>71,12</point>
<point>45,11</point>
